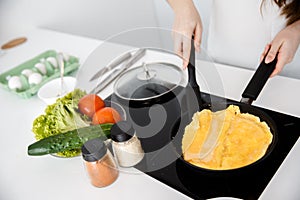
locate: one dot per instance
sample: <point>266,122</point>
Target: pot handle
<point>258,80</point>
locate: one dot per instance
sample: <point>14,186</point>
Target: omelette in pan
<point>239,139</point>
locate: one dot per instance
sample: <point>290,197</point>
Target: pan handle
<point>258,81</point>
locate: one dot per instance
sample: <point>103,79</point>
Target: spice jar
<point>99,163</point>
<point>126,146</point>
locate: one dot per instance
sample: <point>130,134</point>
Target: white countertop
<point>48,177</point>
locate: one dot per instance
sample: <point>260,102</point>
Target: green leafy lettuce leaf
<point>60,117</point>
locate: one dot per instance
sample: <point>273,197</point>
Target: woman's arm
<point>187,22</point>
<point>285,43</point>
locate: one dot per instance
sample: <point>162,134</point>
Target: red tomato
<point>89,104</point>
<point>106,115</point>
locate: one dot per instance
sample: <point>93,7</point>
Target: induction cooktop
<point>167,168</point>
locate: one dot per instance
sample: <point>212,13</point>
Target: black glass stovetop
<point>164,166</point>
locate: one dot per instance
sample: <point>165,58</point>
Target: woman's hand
<point>187,23</point>
<point>285,43</point>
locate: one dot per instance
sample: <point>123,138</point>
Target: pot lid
<point>149,80</point>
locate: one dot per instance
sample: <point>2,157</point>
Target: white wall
<point>100,19</point>
<point>165,15</point>
<point>93,18</point>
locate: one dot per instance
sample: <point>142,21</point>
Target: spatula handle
<point>191,68</point>
<point>259,79</point>
<point>192,81</point>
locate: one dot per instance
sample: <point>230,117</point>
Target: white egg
<point>27,72</point>
<point>41,67</point>
<point>15,83</point>
<point>35,78</point>
<point>52,61</point>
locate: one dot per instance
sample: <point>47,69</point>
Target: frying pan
<point>250,94</point>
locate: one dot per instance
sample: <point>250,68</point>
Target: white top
<point>240,29</point>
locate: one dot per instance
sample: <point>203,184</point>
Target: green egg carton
<point>71,65</point>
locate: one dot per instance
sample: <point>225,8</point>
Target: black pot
<point>151,96</point>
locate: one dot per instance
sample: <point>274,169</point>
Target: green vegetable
<point>69,140</point>
<point>60,117</point>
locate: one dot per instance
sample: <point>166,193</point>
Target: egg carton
<point>27,78</point>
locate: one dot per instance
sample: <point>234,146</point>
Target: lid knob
<point>146,74</point>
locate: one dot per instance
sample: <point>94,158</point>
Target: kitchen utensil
<point>150,93</point>
<point>12,43</point>
<point>117,72</point>
<point>61,65</point>
<point>224,182</point>
<point>112,65</point>
<point>193,95</point>
<point>251,92</point>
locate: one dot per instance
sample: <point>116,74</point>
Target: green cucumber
<point>69,140</point>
